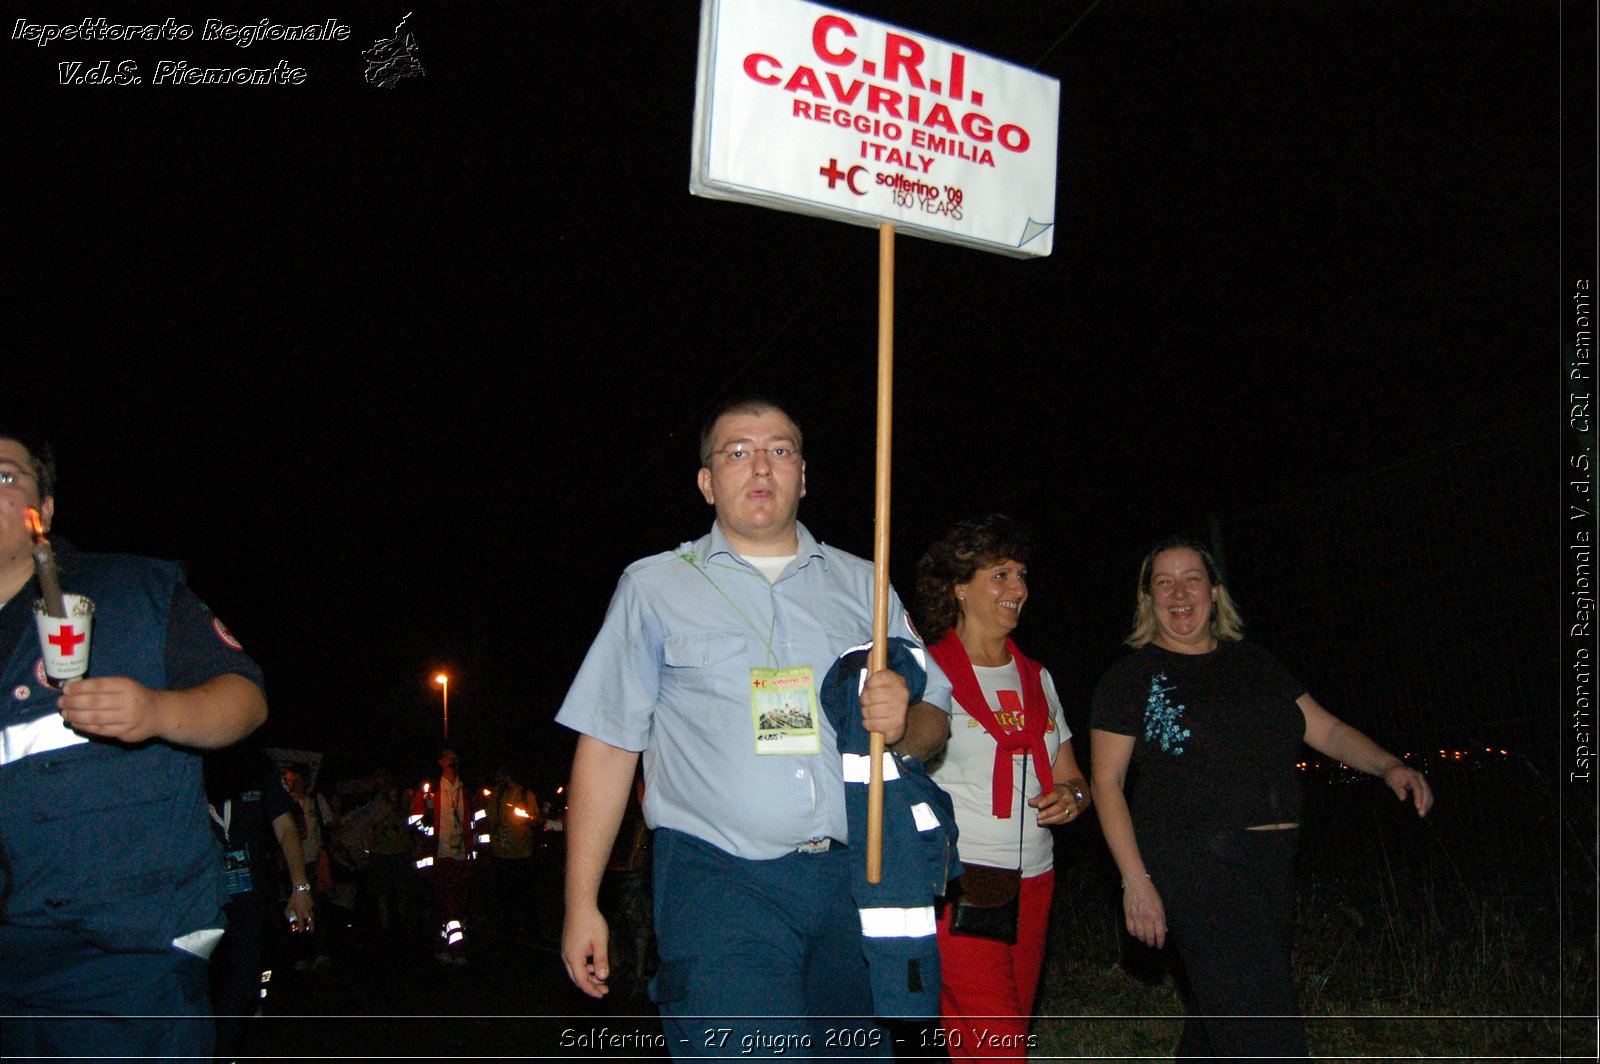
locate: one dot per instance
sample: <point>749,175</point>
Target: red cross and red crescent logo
<point>835,175</point>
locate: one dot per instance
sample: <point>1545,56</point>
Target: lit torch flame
<point>517,810</point>
<point>44,563</point>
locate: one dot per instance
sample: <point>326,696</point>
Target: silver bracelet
<point>304,888</point>
<point>1145,876</point>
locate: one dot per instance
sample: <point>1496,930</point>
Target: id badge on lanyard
<point>783,710</point>
<point>236,871</point>
<point>235,859</point>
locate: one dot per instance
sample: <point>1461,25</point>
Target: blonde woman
<point>1206,853</point>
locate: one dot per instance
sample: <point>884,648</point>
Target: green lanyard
<point>766,640</point>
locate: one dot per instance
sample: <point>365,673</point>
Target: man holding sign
<point>709,663</point>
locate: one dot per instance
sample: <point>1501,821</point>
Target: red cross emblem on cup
<point>64,641</point>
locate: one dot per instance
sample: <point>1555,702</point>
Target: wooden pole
<point>879,658</point>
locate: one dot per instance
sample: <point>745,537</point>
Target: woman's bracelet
<point>1136,878</point>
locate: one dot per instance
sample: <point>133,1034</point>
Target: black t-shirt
<point>1216,736</point>
<point>247,836</point>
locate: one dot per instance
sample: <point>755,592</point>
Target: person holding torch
<point>110,875</point>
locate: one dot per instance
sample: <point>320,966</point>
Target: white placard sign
<point>806,108</point>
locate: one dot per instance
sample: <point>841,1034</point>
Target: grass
<point>1435,940</point>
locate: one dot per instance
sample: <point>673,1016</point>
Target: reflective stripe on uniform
<point>926,818</point>
<point>37,736</point>
<point>898,923</point>
<point>858,767</point>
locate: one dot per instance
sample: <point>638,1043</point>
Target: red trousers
<point>452,881</point>
<point>988,986</point>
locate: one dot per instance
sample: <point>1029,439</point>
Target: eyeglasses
<point>741,453</point>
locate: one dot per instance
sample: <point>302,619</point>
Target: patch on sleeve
<point>223,633</point>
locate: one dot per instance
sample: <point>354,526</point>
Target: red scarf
<point>952,658</point>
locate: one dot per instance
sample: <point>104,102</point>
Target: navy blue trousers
<point>236,968</point>
<point>63,997</point>
<point>760,957</point>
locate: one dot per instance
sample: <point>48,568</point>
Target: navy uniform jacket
<point>919,844</point>
<point>101,840</point>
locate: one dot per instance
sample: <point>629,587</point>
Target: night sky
<point>406,376</point>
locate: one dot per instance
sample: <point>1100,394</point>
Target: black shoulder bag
<point>990,900</point>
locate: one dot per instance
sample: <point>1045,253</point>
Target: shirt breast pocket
<point>842,642</point>
<point>707,679</point>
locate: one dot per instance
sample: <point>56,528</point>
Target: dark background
<point>408,375</point>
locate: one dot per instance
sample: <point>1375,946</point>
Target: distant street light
<point>444,681</point>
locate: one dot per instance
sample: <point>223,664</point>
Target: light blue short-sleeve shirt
<point>669,674</point>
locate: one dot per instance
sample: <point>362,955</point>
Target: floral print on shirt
<point>1161,717</point>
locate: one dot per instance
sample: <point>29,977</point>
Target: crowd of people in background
<point>373,847</point>
<point>410,871</point>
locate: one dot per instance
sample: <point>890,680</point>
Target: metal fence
<point>1419,601</point>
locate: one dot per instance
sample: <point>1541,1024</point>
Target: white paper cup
<point>64,641</point>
